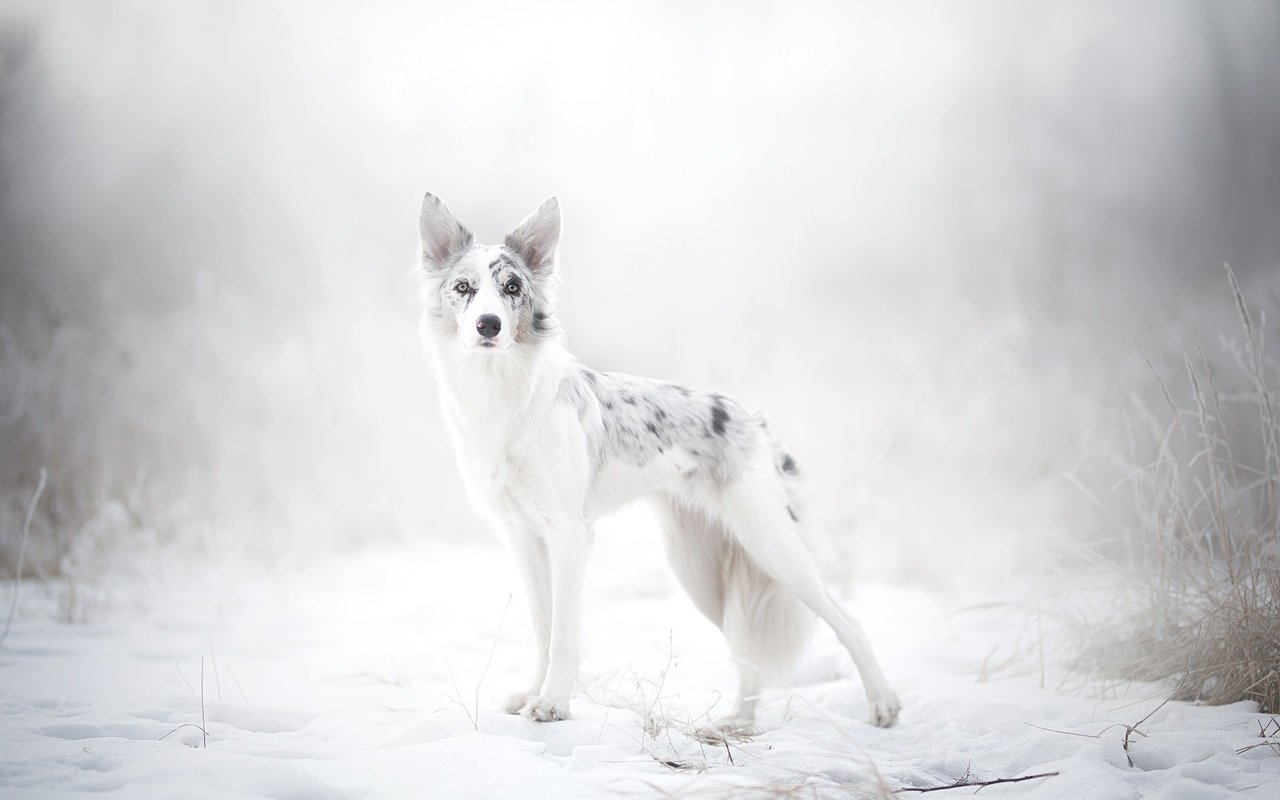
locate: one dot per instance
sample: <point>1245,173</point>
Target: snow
<point>378,672</point>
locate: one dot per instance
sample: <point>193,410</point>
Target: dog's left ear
<point>536,238</point>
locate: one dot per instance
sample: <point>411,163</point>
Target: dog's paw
<point>541,708</point>
<point>517,701</point>
<point>884,708</point>
<point>733,726</point>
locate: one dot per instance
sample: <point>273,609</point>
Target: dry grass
<point>1202,556</point>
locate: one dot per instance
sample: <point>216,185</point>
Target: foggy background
<point>931,241</point>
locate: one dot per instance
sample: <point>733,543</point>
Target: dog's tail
<point>765,624</point>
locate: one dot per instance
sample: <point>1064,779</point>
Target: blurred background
<point>934,242</point>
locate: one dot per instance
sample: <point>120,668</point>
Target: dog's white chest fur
<point>511,439</point>
<point>490,474</point>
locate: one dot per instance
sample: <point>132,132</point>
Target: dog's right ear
<point>537,236</point>
<point>442,236</point>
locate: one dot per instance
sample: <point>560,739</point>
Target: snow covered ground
<point>377,674</point>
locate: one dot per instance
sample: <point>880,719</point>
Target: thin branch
<point>180,727</point>
<point>203,728</point>
<point>1097,735</point>
<point>22,554</point>
<point>1274,744</point>
<point>217,682</point>
<point>178,667</point>
<point>476,720</point>
<point>465,709</point>
<point>236,681</point>
<point>1129,730</point>
<point>962,784</point>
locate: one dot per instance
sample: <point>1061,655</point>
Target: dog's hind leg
<point>755,511</point>
<point>695,548</point>
<point>764,625</point>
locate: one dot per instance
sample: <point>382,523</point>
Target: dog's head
<point>487,298</point>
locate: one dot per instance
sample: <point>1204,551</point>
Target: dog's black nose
<point>488,325</point>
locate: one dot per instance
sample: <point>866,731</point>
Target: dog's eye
<point>462,287</point>
<point>513,287</point>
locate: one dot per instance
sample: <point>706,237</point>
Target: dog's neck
<point>490,392</point>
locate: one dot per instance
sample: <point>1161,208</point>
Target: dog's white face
<point>489,298</point>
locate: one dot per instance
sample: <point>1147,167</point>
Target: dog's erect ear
<point>442,236</point>
<point>536,238</point>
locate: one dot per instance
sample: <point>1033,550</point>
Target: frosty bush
<point>1202,561</point>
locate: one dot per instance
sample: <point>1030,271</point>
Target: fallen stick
<point>962,784</point>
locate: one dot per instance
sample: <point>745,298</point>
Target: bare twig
<point>203,729</point>
<point>475,723</point>
<point>1274,744</point>
<point>473,713</point>
<point>236,681</point>
<point>178,667</point>
<point>476,720</point>
<point>22,554</point>
<point>1266,730</point>
<point>180,727</point>
<point>963,783</point>
<point>1129,730</point>
<point>217,682</point>
<point>1097,735</point>
<point>652,726</point>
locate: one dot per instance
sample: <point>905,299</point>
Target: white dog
<point>546,445</point>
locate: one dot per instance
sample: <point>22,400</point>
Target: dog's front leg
<point>530,553</point>
<point>566,547</point>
